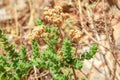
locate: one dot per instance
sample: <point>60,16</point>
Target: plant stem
<point>35,69</point>
<point>75,77</point>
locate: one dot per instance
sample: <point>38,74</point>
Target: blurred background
<point>102,26</point>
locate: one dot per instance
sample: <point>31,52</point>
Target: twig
<point>32,11</point>
<point>84,25</point>
<point>111,46</point>
<point>35,70</point>
<point>16,20</point>
<point>98,38</point>
<point>18,29</point>
<point>42,75</point>
<point>83,73</point>
<point>75,77</point>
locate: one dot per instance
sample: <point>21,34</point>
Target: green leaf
<point>23,52</point>
<point>7,68</point>
<point>92,51</point>
<point>35,62</point>
<point>16,77</point>
<point>60,77</point>
<point>77,64</point>
<point>67,50</point>
<point>90,54</point>
<point>83,78</point>
<point>52,29</point>
<point>35,49</point>
<point>5,37</point>
<point>39,22</point>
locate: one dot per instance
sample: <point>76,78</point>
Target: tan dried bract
<point>55,16</point>
<point>37,33</point>
<point>75,35</point>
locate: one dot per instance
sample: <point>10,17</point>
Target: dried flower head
<point>55,16</point>
<point>37,33</point>
<point>75,35</point>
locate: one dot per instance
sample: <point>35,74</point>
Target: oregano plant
<point>59,57</point>
<point>61,64</point>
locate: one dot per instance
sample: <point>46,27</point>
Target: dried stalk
<point>84,25</point>
<point>98,38</point>
<point>35,72</point>
<point>111,46</point>
<point>75,76</point>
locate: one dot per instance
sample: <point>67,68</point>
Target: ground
<point>93,21</point>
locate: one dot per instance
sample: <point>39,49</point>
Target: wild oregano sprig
<point>9,48</point>
<point>35,49</point>
<point>68,54</point>
<point>50,59</point>
<point>14,65</point>
<point>91,53</point>
<point>67,50</point>
<point>35,56</point>
<point>53,34</point>
<point>23,52</point>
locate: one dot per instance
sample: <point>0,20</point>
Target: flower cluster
<point>37,33</point>
<point>55,16</point>
<point>75,35</point>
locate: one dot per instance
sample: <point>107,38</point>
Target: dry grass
<point>92,21</point>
